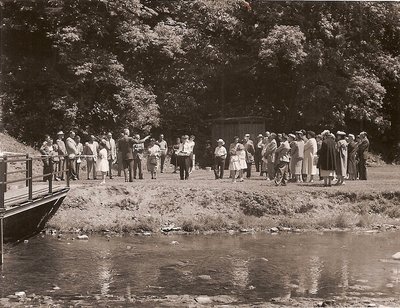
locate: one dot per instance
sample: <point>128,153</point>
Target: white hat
<point>292,135</point>
<point>247,135</point>
<point>351,136</point>
<point>60,133</point>
<point>220,140</point>
<point>260,136</point>
<point>325,132</point>
<point>340,133</point>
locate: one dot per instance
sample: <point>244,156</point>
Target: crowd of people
<point>295,157</point>
<point>302,156</point>
<point>101,154</point>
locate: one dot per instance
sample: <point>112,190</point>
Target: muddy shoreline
<point>203,206</point>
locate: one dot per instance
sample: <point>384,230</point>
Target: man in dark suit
<point>249,148</point>
<point>125,145</point>
<point>362,154</point>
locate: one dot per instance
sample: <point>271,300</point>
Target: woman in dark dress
<point>352,158</point>
<point>327,158</point>
<point>174,156</point>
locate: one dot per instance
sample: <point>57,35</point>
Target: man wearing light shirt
<point>220,156</point>
<point>191,152</point>
<point>184,157</point>
<point>62,151</point>
<point>163,150</point>
<point>72,151</point>
<point>111,153</point>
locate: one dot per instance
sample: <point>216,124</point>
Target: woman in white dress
<point>102,161</point>
<point>153,158</point>
<point>241,153</point>
<point>234,163</point>
<point>310,151</point>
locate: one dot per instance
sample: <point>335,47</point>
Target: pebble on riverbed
<point>82,237</point>
<point>20,294</point>
<point>396,256</point>
<point>203,299</point>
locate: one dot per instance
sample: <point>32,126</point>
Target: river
<point>249,267</point>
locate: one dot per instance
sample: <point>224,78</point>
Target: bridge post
<point>3,170</point>
<point>2,212</point>
<point>30,191</point>
<point>27,170</point>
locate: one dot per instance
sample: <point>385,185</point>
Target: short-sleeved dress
<point>102,162</point>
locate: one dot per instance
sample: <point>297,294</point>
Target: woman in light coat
<point>341,157</point>
<point>310,151</point>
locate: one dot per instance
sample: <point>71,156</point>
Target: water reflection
<point>252,268</point>
<point>105,274</point>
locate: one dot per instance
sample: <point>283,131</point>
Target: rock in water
<point>82,237</point>
<point>396,256</point>
<point>20,294</point>
<point>274,229</point>
<point>202,299</point>
<point>205,277</point>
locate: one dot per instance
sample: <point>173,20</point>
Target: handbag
<point>315,160</point>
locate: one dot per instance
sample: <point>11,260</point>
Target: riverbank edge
<point>121,209</point>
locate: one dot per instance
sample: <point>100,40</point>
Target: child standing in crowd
<point>153,158</point>
<point>102,163</point>
<point>220,156</point>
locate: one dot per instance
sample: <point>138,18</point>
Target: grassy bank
<point>203,204</point>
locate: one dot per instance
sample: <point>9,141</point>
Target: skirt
<point>234,163</point>
<point>152,164</point>
<point>325,173</point>
<point>102,165</point>
<point>296,166</point>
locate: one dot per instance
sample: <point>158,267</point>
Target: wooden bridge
<point>26,201</point>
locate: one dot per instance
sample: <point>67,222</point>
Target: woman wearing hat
<point>310,151</point>
<point>234,163</point>
<point>219,159</point>
<point>327,158</point>
<point>352,158</point>
<point>153,158</point>
<point>362,154</point>
<point>341,157</point>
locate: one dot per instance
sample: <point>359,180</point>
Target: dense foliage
<point>173,66</point>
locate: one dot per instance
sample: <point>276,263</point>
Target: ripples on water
<point>250,267</point>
